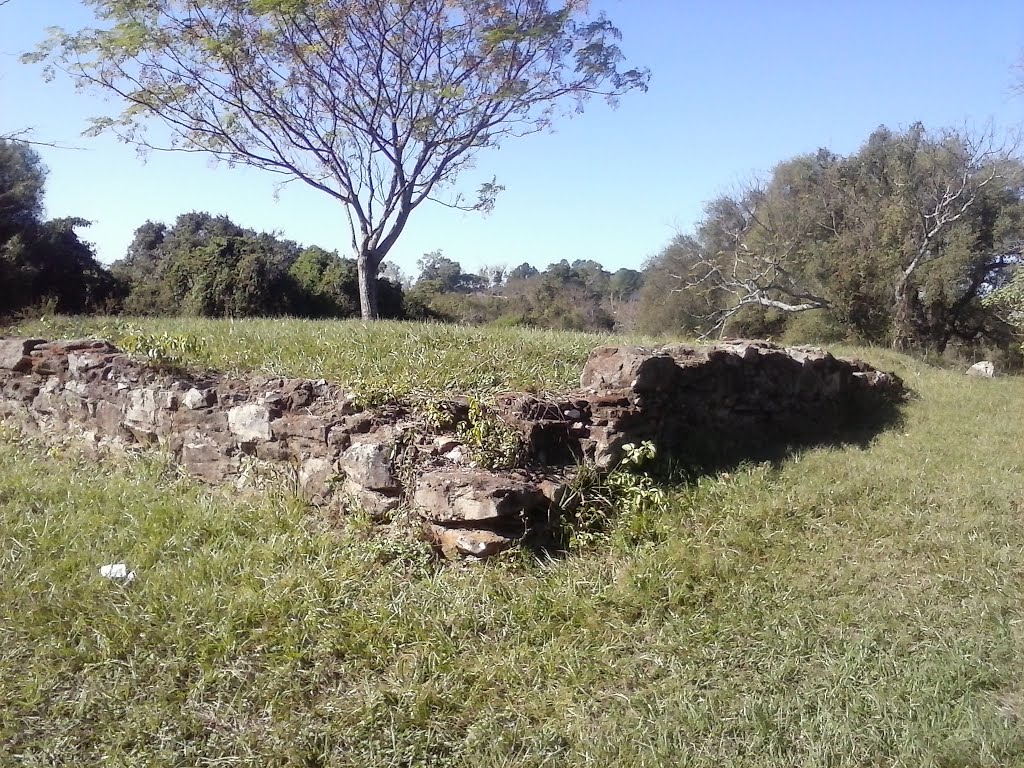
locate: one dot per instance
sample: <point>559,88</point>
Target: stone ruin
<point>734,398</point>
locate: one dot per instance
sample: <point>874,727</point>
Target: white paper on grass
<point>118,571</point>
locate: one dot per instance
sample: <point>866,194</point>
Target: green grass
<point>848,606</point>
<point>383,359</point>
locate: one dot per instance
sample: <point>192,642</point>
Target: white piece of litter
<point>117,571</point>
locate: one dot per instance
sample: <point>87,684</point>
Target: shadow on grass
<point>711,454</point>
<point>702,454</point>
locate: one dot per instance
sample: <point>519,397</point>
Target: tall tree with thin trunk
<point>378,103</point>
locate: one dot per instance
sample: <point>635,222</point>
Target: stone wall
<point>314,434</point>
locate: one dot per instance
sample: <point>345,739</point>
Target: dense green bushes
<point>208,266</point>
<point>43,262</point>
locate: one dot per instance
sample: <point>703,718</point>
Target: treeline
<point>201,265</point>
<point>580,296</point>
<point>905,242</point>
<point>208,266</point>
<point>43,260</point>
<point>915,240</point>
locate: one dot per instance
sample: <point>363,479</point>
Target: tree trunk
<point>366,266</point>
<point>904,311</point>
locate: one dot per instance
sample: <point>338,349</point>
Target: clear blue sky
<point>736,87</point>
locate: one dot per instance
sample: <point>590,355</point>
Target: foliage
<point>624,499</point>
<point>664,305</point>
<point>439,274</point>
<point>818,327</point>
<point>166,350</point>
<point>22,178</point>
<point>328,283</point>
<point>208,266</point>
<point>1008,299</point>
<point>43,261</point>
<point>491,442</point>
<point>581,296</point>
<point>380,105</point>
<point>898,242</point>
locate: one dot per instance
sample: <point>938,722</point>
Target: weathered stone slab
<point>142,409</point>
<point>368,463</point>
<point>292,425</point>
<point>379,505</point>
<point>250,422</point>
<point>460,495</point>
<point>14,353</point>
<point>195,399</point>
<point>204,456</point>
<point>985,369</point>
<point>454,542</point>
<point>315,478</point>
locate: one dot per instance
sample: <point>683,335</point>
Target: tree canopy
<point>380,104</point>
<point>205,265</point>
<point>42,261</point>
<point>898,242</point>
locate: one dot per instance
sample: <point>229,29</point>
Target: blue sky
<point>736,88</point>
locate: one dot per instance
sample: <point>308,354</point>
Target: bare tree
<point>888,209</point>
<point>940,183</point>
<point>379,104</point>
<point>749,253</point>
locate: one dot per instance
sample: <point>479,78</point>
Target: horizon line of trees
<point>915,240</point>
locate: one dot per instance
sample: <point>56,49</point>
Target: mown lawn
<point>848,606</point>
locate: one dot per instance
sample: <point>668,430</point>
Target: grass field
<point>382,359</point>
<point>849,606</point>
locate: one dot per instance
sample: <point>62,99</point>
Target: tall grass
<point>849,606</point>
<point>385,358</point>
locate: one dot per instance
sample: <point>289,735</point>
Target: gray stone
<point>109,417</point>
<point>195,399</point>
<point>311,428</point>
<point>986,369</point>
<point>21,390</point>
<point>141,411</point>
<point>368,463</point>
<point>457,455</point>
<point>379,505</point>
<point>315,476</point>
<point>250,422</point>
<point>205,457</point>
<point>79,388</point>
<point>48,363</point>
<point>445,443</point>
<point>80,362</point>
<point>47,401</point>
<point>14,353</point>
<point>608,444</point>
<point>460,495</point>
<point>454,542</point>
